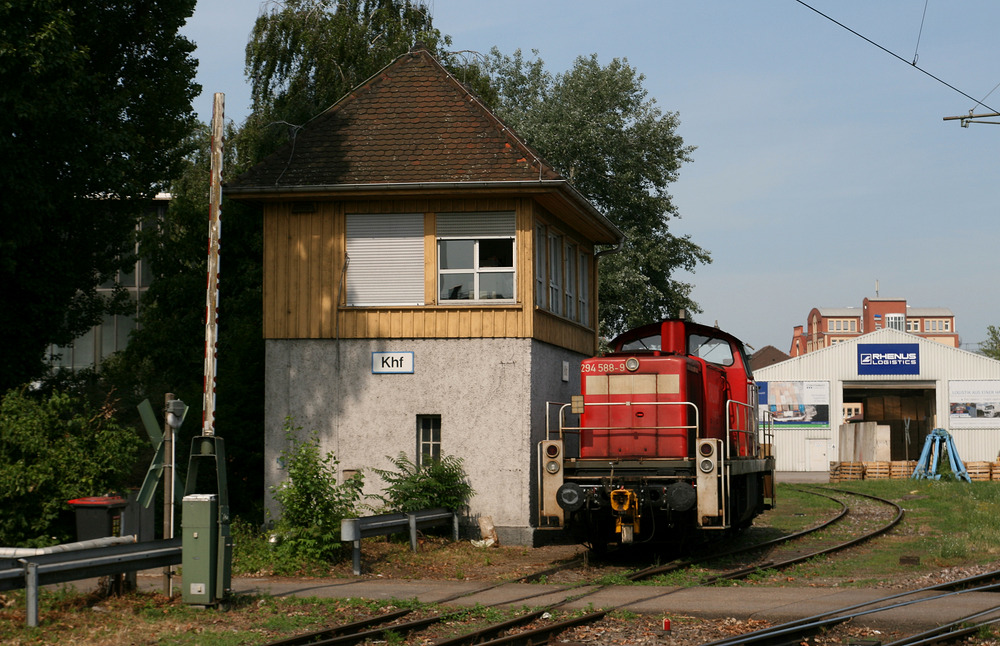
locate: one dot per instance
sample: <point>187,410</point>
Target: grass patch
<point>945,524</point>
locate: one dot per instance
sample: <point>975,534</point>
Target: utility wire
<point>920,32</point>
<point>895,55</point>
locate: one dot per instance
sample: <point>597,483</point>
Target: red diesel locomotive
<point>668,443</point>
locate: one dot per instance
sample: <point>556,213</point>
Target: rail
<point>32,572</point>
<point>354,529</point>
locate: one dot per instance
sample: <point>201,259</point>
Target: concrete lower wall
<point>491,395</point>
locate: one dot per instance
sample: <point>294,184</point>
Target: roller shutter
<point>476,225</point>
<point>387,259</point>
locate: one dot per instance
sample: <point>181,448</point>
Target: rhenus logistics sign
<point>888,359</point>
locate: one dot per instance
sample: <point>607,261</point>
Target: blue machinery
<point>927,466</point>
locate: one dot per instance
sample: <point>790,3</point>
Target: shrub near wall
<point>312,503</point>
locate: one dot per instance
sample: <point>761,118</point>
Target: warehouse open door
<point>907,411</point>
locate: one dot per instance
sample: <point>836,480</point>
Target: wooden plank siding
<point>304,257</point>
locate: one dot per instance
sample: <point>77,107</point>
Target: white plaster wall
<point>490,394</point>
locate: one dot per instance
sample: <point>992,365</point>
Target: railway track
<point>537,626</point>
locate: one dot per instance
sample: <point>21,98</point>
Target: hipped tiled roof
<point>411,123</point>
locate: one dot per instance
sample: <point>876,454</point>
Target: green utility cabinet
<point>200,548</point>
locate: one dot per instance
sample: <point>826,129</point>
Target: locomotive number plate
<point>603,367</point>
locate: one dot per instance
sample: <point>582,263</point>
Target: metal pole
<point>168,490</point>
<point>31,592</point>
<point>212,292</point>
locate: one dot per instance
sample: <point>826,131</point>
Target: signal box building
<point>896,379</point>
<point>430,286</point>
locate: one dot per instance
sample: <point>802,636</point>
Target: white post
<point>212,293</point>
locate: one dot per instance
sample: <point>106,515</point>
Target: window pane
<point>496,285</point>
<point>540,265</point>
<point>83,351</point>
<point>456,286</point>
<point>456,254</point>
<point>496,253</point>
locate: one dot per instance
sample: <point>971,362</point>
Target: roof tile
<point>413,122</point>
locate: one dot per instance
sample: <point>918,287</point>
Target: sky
<point>823,166</point>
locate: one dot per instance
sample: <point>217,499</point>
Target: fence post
<point>412,518</point>
<point>31,592</point>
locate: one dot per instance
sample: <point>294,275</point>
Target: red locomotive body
<point>668,440</point>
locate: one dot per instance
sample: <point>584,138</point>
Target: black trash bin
<point>98,516</point>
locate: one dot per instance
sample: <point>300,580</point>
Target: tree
<point>166,350</point>
<point>94,100</point>
<point>599,128</point>
<point>56,448</point>
<point>304,55</point>
<point>991,346</point>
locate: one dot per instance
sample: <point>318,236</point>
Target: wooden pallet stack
<point>876,470</point>
<point>979,471</point>
<point>901,469</point>
<point>996,470</point>
<point>852,471</point>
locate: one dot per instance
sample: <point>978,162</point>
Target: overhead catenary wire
<point>920,32</point>
<point>895,55</point>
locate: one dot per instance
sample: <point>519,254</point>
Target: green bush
<point>312,503</point>
<point>55,448</point>
<point>436,483</point>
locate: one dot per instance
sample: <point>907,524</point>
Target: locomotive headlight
<point>706,449</point>
<point>552,467</point>
<point>631,364</point>
<point>706,466</point>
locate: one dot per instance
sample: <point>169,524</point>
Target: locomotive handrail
<point>577,429</point>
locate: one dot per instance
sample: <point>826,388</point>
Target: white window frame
<point>556,271</point>
<point>427,445</point>
<point>477,227</point>
<point>583,297</point>
<point>541,266</point>
<point>570,280</point>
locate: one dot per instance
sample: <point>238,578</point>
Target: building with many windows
<point>827,326</point>
<point>96,345</point>
<point>430,287</point>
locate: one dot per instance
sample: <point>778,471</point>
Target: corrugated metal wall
<point>799,449</point>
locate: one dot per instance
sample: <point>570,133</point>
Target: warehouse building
<point>897,379</point>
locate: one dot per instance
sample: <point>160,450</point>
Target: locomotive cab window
<point>712,350</point>
<point>650,343</point>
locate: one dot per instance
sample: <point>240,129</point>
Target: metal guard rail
<point>31,572</point>
<point>354,529</point>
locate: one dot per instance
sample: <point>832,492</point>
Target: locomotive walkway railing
<point>32,572</point>
<point>354,529</point>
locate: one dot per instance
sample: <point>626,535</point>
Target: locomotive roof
<point>689,326</point>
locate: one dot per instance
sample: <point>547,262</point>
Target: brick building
<point>827,326</point>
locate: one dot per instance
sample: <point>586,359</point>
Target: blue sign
<point>888,359</point>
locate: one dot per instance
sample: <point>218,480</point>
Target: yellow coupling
<point>623,500</point>
<point>626,505</point>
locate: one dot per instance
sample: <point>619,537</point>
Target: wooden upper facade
<point>408,210</point>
